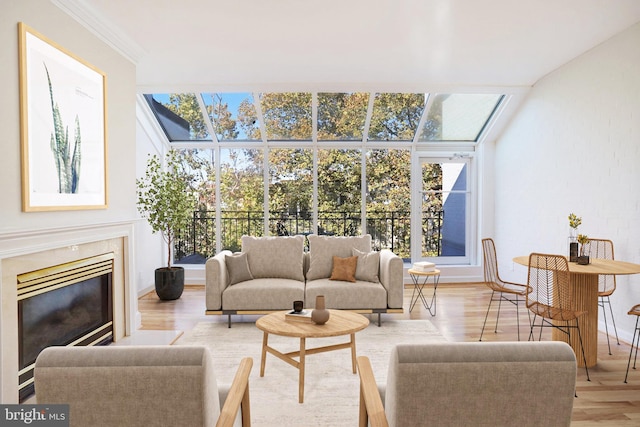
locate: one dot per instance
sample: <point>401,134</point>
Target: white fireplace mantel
<point>29,250</point>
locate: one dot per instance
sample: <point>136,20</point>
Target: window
<point>241,196</point>
<point>290,191</point>
<point>388,199</point>
<point>445,212</point>
<point>458,117</point>
<point>233,116</point>
<point>341,116</point>
<point>339,192</point>
<point>335,163</point>
<point>396,116</point>
<point>179,115</point>
<point>287,116</point>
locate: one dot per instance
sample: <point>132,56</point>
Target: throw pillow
<point>368,264</point>
<point>323,248</point>
<point>344,269</point>
<point>238,268</point>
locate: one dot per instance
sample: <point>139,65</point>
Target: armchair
<point>141,386</point>
<point>471,383</point>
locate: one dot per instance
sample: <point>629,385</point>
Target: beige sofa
<point>272,272</point>
<point>472,384</point>
<point>141,386</point>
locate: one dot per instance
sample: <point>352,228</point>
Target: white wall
<point>574,146</point>
<point>22,234</point>
<point>50,21</point>
<point>126,158</point>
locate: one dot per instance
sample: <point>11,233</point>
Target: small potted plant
<point>583,258</point>
<point>166,201</point>
<point>574,223</point>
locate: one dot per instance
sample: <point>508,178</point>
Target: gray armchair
<point>480,384</point>
<point>141,386</point>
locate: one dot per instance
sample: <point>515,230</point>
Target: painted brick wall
<point>574,146</point>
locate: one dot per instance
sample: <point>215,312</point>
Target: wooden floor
<point>604,401</point>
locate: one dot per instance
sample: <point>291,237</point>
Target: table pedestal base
<point>584,291</point>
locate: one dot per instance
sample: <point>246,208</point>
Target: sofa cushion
<point>323,248</point>
<point>275,256</point>
<point>344,269</point>
<point>263,294</point>
<point>238,268</point>
<point>346,295</point>
<point>368,265</point>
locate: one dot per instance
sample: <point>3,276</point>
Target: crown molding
<point>102,27</point>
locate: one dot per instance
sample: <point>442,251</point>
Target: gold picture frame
<point>63,126</point>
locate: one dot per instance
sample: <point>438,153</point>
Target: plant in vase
<point>166,201</point>
<point>583,258</point>
<point>574,223</point>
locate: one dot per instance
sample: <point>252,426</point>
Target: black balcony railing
<point>388,230</point>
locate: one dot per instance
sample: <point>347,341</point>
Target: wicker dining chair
<point>549,297</point>
<point>501,290</point>
<point>603,249</point>
<point>635,341</point>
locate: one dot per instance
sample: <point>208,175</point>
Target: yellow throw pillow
<point>344,269</point>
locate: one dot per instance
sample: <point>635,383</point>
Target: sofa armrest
<point>238,397</point>
<point>216,279</point>
<point>391,277</point>
<point>371,408</point>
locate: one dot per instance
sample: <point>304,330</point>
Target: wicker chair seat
<point>555,313</point>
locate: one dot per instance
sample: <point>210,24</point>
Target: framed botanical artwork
<point>63,127</point>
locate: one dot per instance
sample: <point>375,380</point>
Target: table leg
<point>263,358</point>
<point>419,286</point>
<point>414,299</point>
<point>584,291</point>
<point>301,368</point>
<point>353,352</point>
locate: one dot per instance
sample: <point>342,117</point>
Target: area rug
<point>331,389</point>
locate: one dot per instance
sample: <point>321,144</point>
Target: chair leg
<point>500,298</point>
<point>606,327</point>
<point>531,326</point>
<point>584,358</point>
<point>601,303</point>
<point>613,319</point>
<point>518,316</point>
<point>487,315</point>
<point>634,341</point>
<point>541,326</point>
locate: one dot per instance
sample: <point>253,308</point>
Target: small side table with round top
<point>340,323</point>
<point>420,279</point>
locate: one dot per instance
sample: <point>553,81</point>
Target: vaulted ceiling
<point>350,45</point>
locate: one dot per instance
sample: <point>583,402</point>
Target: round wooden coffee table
<point>339,323</point>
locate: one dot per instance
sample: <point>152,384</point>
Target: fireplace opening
<point>69,304</point>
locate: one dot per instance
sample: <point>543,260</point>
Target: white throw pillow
<point>238,268</point>
<point>368,265</point>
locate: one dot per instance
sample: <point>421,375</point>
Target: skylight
<point>233,116</point>
<point>458,117</point>
<point>305,116</point>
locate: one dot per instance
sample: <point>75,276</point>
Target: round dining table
<point>584,291</point>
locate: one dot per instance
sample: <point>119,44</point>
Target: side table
<point>420,279</point>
